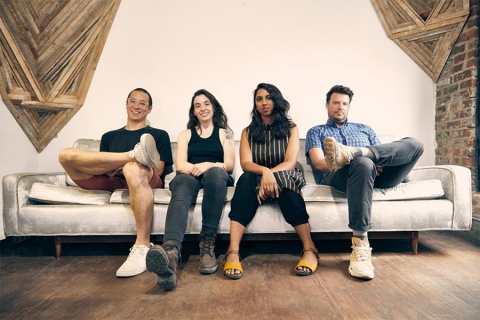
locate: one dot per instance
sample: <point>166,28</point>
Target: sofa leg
<point>58,248</point>
<point>415,242</point>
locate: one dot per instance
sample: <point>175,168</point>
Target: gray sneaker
<point>336,154</point>
<point>208,262</point>
<point>146,152</point>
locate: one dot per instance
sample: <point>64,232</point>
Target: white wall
<point>173,48</point>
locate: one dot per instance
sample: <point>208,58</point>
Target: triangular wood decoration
<point>49,50</point>
<point>429,32</point>
<point>398,18</point>
<point>422,8</point>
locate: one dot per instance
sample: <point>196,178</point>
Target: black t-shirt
<point>123,140</point>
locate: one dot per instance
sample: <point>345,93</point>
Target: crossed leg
<point>83,165</point>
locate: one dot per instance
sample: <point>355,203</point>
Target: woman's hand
<point>200,168</point>
<point>268,187</point>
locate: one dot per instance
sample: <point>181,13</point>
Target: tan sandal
<point>309,265</point>
<point>233,265</point>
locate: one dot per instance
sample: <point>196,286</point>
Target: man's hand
<point>379,170</point>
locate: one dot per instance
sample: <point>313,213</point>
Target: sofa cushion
<point>54,194</point>
<point>160,196</point>
<point>425,189</point>
<point>415,190</point>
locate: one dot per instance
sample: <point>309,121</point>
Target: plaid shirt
<point>349,134</point>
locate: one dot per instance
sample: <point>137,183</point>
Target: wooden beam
<point>46,105</point>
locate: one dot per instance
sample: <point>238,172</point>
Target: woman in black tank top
<point>205,159</point>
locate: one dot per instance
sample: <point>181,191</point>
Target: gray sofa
<point>47,204</point>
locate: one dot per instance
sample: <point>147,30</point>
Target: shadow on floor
<point>44,246</point>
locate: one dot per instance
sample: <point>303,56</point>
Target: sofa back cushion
<point>237,171</point>
<point>87,145</point>
<point>303,162</point>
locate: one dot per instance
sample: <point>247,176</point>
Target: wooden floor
<point>441,282</point>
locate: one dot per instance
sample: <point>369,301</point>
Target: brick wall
<point>456,103</point>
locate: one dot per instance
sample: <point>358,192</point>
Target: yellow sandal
<point>311,266</point>
<point>233,265</point>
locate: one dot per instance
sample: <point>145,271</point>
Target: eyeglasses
<point>143,103</point>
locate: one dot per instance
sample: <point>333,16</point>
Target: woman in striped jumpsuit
<point>269,148</point>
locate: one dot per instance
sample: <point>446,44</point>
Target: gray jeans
<point>359,178</point>
<point>185,189</point>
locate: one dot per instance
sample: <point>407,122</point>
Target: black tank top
<point>205,149</point>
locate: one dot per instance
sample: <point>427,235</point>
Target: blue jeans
<point>359,178</point>
<point>185,189</point>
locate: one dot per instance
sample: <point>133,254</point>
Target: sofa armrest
<point>15,194</point>
<point>457,185</point>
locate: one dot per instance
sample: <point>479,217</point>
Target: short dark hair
<point>340,89</point>
<point>150,101</point>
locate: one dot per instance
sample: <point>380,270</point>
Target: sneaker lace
<point>362,253</point>
<point>173,252</point>
<point>347,153</point>
<point>137,252</point>
<point>138,154</point>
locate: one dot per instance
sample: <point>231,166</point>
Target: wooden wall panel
<point>49,50</point>
<point>425,29</point>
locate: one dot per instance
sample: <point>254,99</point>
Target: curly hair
<point>219,117</point>
<point>340,89</point>
<point>281,123</point>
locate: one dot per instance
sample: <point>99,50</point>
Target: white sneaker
<point>336,154</point>
<point>135,263</point>
<point>146,151</point>
<point>361,259</point>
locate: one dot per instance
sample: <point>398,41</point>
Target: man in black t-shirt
<point>133,157</point>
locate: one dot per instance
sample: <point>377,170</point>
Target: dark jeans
<point>244,202</point>
<point>359,177</point>
<point>185,189</point>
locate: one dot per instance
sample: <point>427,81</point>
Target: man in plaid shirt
<point>351,158</point>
